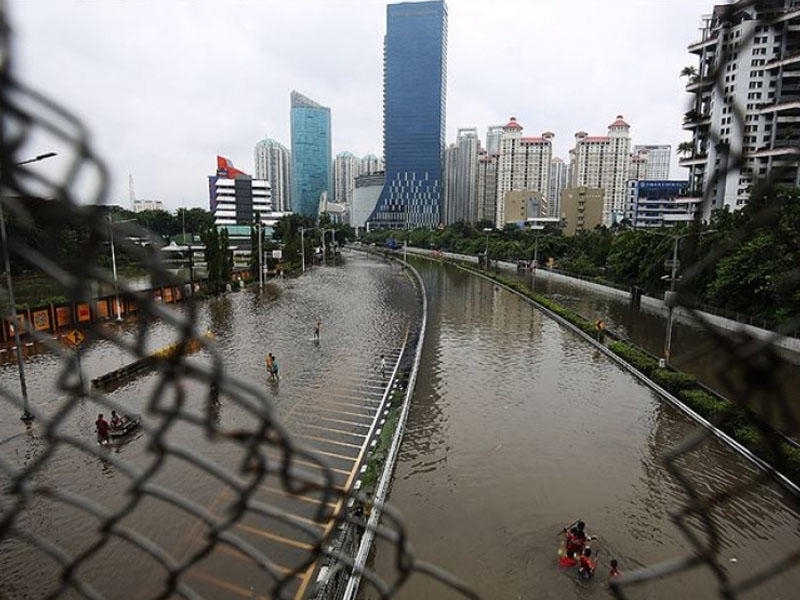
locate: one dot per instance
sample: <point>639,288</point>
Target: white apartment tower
<point>523,164</point>
<point>748,58</point>
<point>558,181</point>
<point>604,162</point>
<point>461,177</point>
<point>639,165</point>
<point>345,170</point>
<point>274,164</point>
<point>658,158</point>
<point>370,164</point>
<point>493,135</point>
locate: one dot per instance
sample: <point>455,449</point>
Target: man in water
<point>614,572</point>
<point>316,331</point>
<point>102,429</point>
<point>587,564</point>
<point>567,561</point>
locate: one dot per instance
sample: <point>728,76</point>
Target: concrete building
<point>756,48</point>
<point>140,205</point>
<point>639,165</point>
<point>604,162</point>
<point>493,135</point>
<point>345,171</point>
<point>521,205</point>
<point>239,199</point>
<point>658,159</point>
<point>486,190</point>
<point>274,164</point>
<point>558,181</point>
<point>660,203</point>
<point>461,177</point>
<point>581,209</point>
<point>370,164</point>
<point>365,198</point>
<point>311,153</point>
<point>414,90</point>
<point>523,164</point>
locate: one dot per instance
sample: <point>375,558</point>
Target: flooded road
<point>326,399</point>
<point>518,428</point>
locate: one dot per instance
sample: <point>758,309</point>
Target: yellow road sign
<point>75,337</point>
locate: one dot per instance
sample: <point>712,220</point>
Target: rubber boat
<point>131,423</point>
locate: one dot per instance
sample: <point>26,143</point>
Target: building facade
<point>658,159</point>
<point>521,205</point>
<point>604,162</point>
<point>345,171</point>
<point>274,163</point>
<point>493,135</point>
<point>414,80</point>
<point>755,46</point>
<point>461,177</point>
<point>523,164</point>
<point>486,189</point>
<point>660,203</point>
<point>240,199</point>
<point>558,181</point>
<point>369,164</point>
<point>311,154</point>
<point>365,197</point>
<point>141,205</point>
<point>581,209</point>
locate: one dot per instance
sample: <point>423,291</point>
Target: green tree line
<point>749,258</point>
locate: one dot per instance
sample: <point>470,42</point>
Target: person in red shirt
<point>587,564</point>
<point>576,538</point>
<point>567,561</point>
<point>102,429</point>
<point>614,572</point>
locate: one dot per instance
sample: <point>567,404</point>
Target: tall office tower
<point>754,45</point>
<point>486,192</point>
<point>524,164</point>
<point>604,162</point>
<point>311,154</point>
<point>345,171</point>
<point>370,164</point>
<point>639,165</point>
<point>493,135</point>
<point>414,79</point>
<point>558,181</point>
<point>658,157</point>
<point>461,169</point>
<point>273,163</point>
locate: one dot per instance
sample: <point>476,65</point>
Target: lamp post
<point>260,260</point>
<point>487,231</point>
<point>302,249</point>
<point>114,262</point>
<point>27,415</point>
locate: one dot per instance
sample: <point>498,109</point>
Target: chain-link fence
<point>266,451</point>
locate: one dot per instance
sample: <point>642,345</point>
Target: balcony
<point>694,121</point>
<point>700,84</point>
<point>789,60</point>
<point>697,159</point>
<point>697,47</point>
<point>779,107</point>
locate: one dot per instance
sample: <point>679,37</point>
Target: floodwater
<point>518,428</point>
<point>325,398</point>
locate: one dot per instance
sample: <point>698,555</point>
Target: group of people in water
<point>579,554</point>
<point>102,426</point>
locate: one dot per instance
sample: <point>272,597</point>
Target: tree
<point>689,72</point>
<point>193,220</point>
<point>160,222</point>
<point>685,148</point>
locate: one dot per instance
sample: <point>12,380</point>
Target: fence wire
<point>266,449</point>
<point>30,119</point>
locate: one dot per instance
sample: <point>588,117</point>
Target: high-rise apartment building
<point>604,162</point>
<point>523,164</point>
<point>558,181</point>
<point>274,164</point>
<point>486,191</point>
<point>414,79</point>
<point>658,159</point>
<point>461,177</point>
<point>369,164</point>
<point>639,165</point>
<point>493,135</point>
<point>748,60</point>
<point>311,153</point>
<point>345,171</point>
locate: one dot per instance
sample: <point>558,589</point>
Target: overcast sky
<point>164,86</point>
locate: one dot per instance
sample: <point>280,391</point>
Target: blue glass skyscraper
<point>311,154</point>
<point>414,80</point>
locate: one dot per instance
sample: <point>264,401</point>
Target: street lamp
<point>260,259</point>
<point>114,261</point>
<point>303,249</point>
<point>27,415</point>
<point>487,231</point>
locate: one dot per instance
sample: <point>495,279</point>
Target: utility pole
<point>260,260</point>
<point>303,249</point>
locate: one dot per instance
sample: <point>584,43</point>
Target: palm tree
<point>689,72</point>
<point>685,148</point>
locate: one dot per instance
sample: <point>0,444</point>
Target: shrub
<point>704,404</point>
<point>673,381</point>
<point>638,359</point>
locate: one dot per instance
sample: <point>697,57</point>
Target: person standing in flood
<point>102,429</point>
<point>317,329</point>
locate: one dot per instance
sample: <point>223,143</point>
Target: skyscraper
<point>658,157</point>
<point>311,153</point>
<point>414,79</point>
<point>370,164</point>
<point>558,181</point>
<point>273,163</point>
<point>345,171</point>
<point>461,179</point>
<point>493,135</point>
